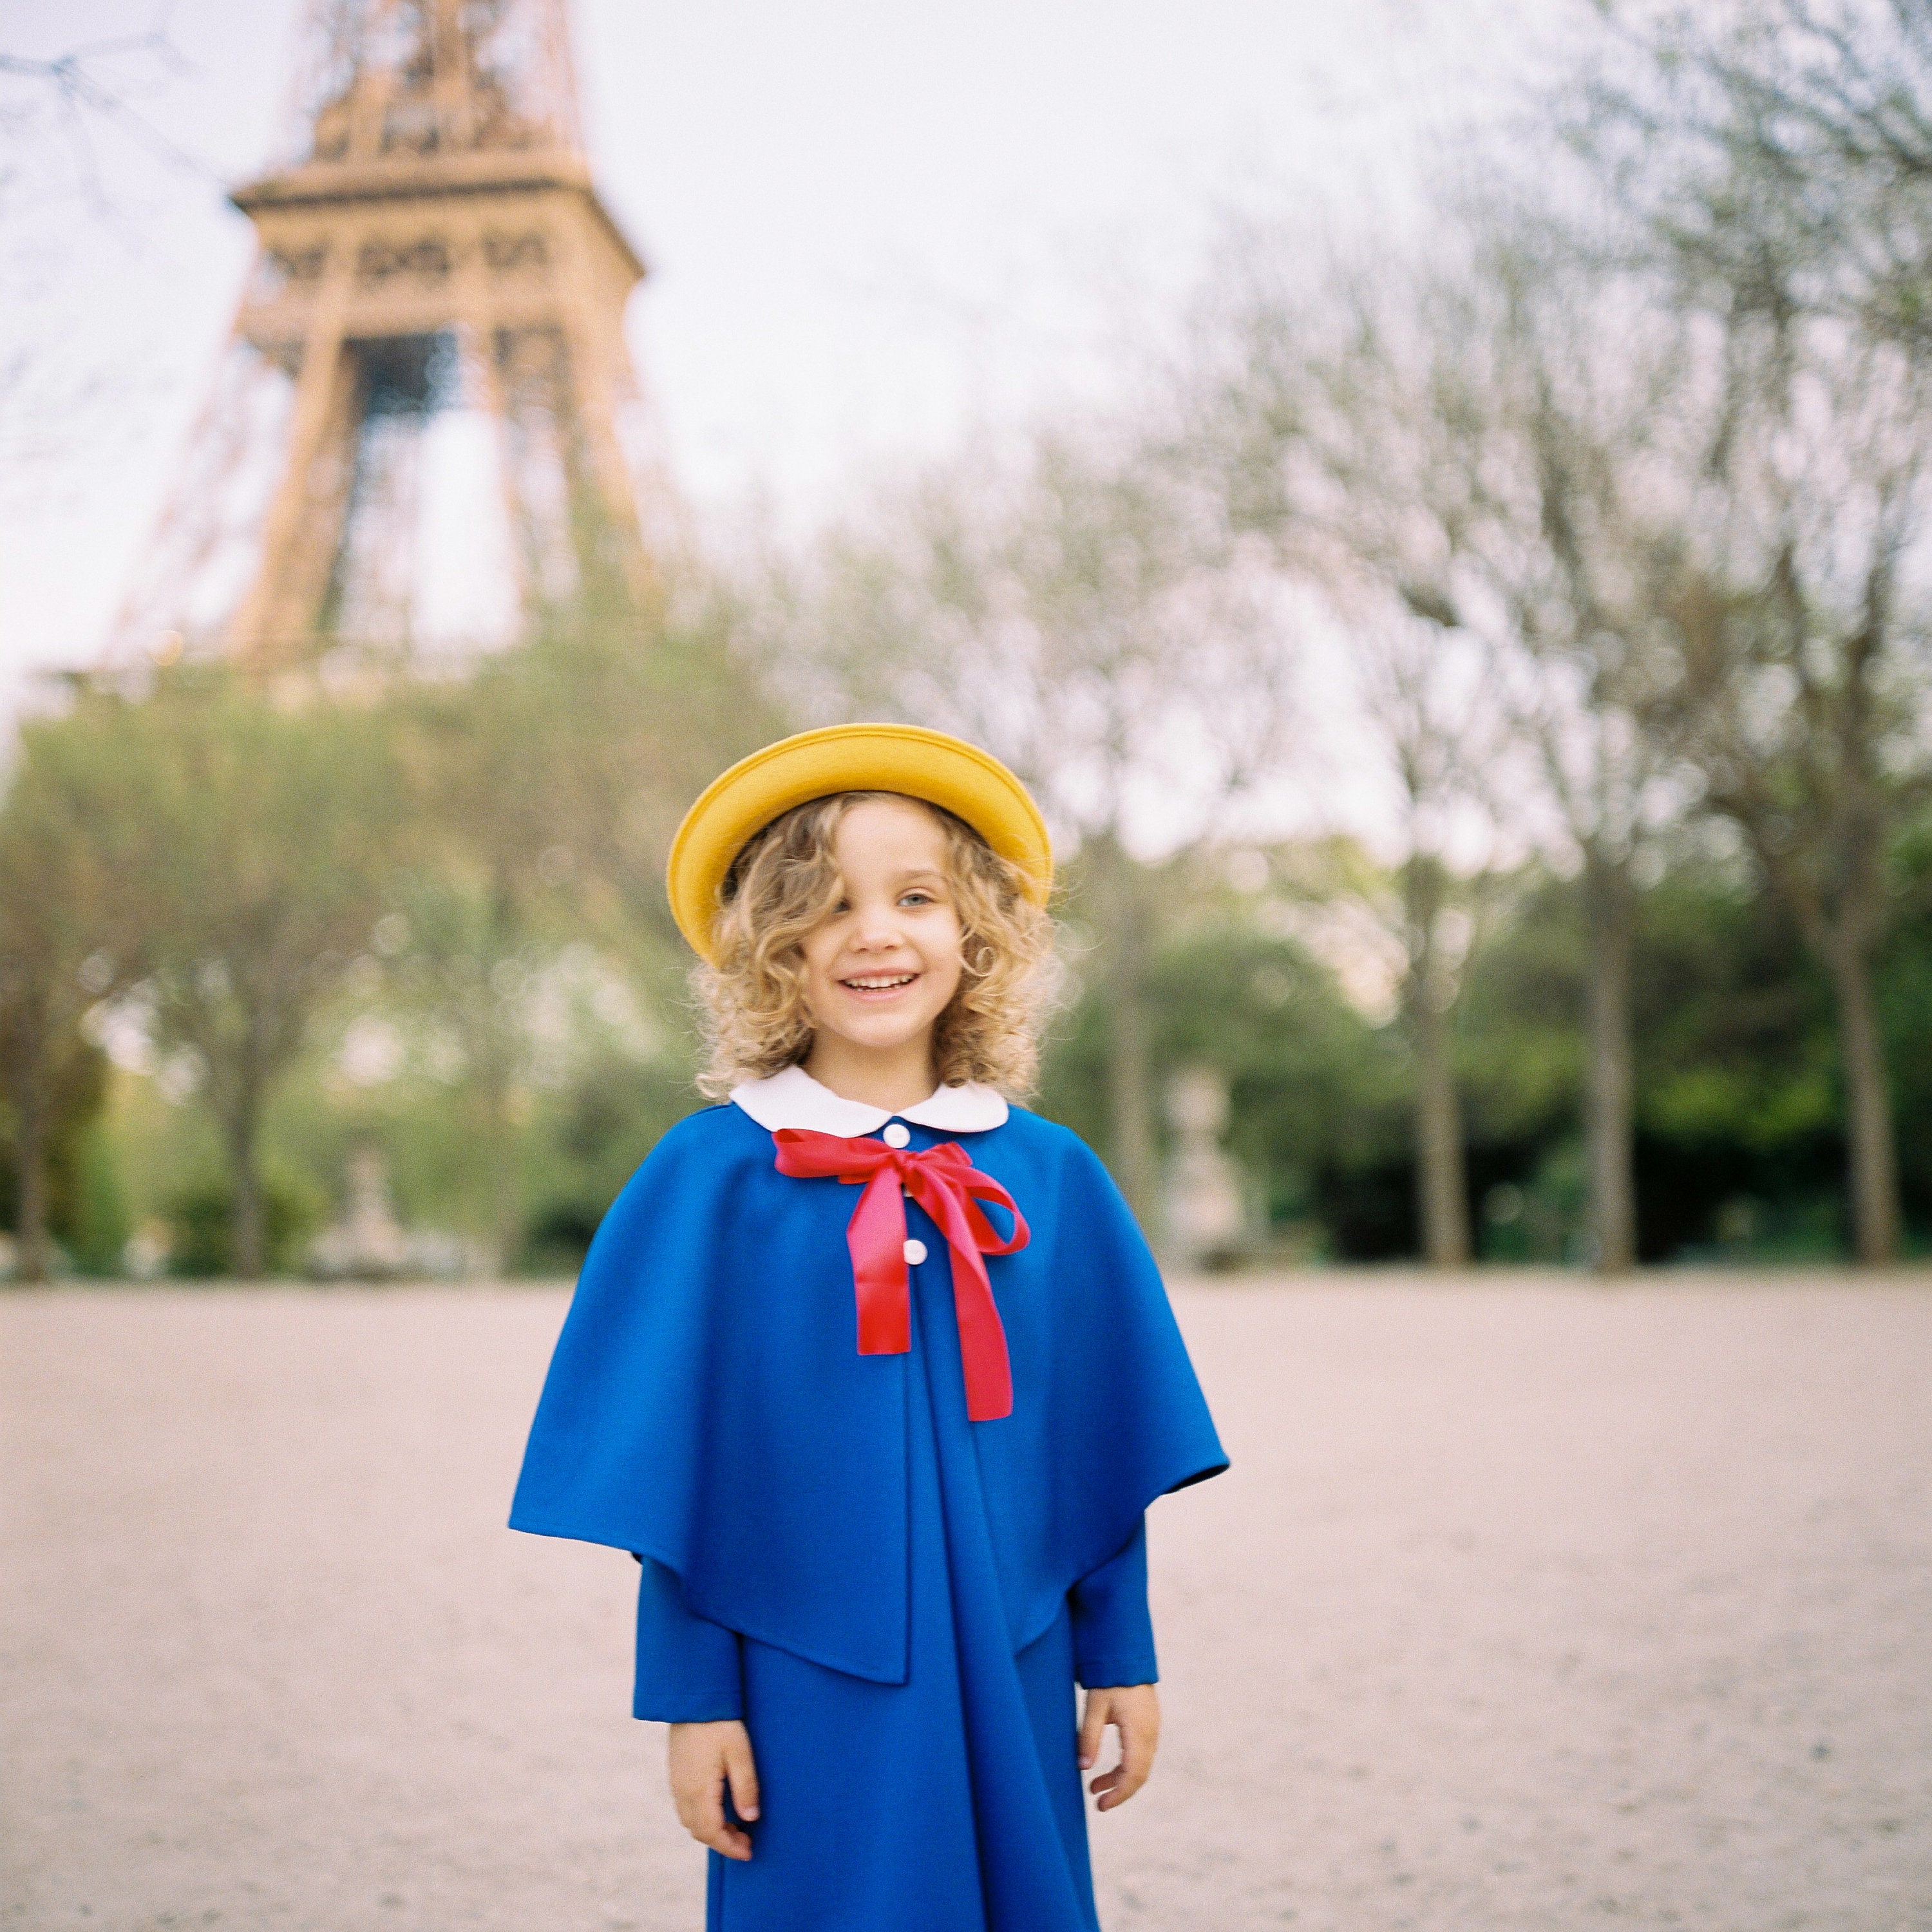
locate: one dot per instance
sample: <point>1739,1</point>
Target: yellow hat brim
<point>904,758</point>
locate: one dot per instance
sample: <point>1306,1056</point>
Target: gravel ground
<point>1527,1605</point>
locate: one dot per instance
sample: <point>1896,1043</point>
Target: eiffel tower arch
<point>425,428</point>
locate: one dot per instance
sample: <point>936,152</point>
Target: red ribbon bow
<point>944,1182</point>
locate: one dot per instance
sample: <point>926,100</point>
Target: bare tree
<point>1778,160</point>
<point>1592,397</point>
<point>1776,154</point>
<point>1354,416</point>
<point>73,142</point>
<point>1504,429</point>
<point>1073,607</point>
<point>1805,697</point>
<point>1434,707</point>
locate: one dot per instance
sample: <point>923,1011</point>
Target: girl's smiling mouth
<point>878,985</point>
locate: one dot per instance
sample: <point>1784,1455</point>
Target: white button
<point>915,1251</point>
<point>896,1136</point>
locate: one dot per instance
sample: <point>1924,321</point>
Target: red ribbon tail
<point>876,1236</point>
<point>983,1335</point>
<point>982,1345</point>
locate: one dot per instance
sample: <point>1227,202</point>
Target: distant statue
<point>1207,1215</point>
<point>368,1243</point>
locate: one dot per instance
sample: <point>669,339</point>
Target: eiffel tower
<point>425,428</point>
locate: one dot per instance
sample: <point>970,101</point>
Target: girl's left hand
<point>1134,1711</point>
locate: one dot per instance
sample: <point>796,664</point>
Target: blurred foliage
<point>76,1147</point>
<point>202,1219</point>
<point>1739,1149</point>
<point>424,916</point>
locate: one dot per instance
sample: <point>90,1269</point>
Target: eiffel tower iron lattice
<point>437,298</point>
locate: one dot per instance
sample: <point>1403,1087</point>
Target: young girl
<point>872,1370</point>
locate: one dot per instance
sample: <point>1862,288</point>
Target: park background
<point>1445,541</point>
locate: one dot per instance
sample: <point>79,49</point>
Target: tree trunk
<point>30,1155</point>
<point>497,1060</point>
<point>1870,1144</point>
<point>246,1233</point>
<point>1129,1053</point>
<point>1610,1105</point>
<point>1441,1185</point>
<point>1130,1097</point>
<point>504,1226</point>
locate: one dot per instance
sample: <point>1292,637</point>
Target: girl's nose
<point>878,929</point>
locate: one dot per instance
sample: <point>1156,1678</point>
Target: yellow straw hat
<point>943,771</point>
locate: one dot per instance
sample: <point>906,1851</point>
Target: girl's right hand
<point>703,1758</point>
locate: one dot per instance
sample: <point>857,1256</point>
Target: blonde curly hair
<point>786,880</point>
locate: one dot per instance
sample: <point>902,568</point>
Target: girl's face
<point>880,967</point>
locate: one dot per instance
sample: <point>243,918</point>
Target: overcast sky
<point>869,222</point>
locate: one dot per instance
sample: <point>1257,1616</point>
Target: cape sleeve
<point>1119,1418</point>
<point>615,1452</point>
<point>707,1407</point>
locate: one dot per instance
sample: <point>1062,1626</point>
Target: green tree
<point>249,841</point>
<point>64,931</point>
<point>546,787</point>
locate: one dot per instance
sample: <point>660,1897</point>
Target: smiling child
<point>872,1369</point>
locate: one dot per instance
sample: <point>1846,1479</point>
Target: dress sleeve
<point>688,1667</point>
<point>1113,1634</point>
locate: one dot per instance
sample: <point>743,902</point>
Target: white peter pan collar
<point>792,1099</point>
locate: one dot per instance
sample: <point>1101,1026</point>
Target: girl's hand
<point>703,1758</point>
<point>1134,1711</point>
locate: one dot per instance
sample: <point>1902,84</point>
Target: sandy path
<point>1527,1606</point>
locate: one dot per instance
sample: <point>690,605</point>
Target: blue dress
<point>912,1714</point>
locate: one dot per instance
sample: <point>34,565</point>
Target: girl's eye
<point>916,897</point>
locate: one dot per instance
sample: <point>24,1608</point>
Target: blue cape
<point>707,1406</point>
